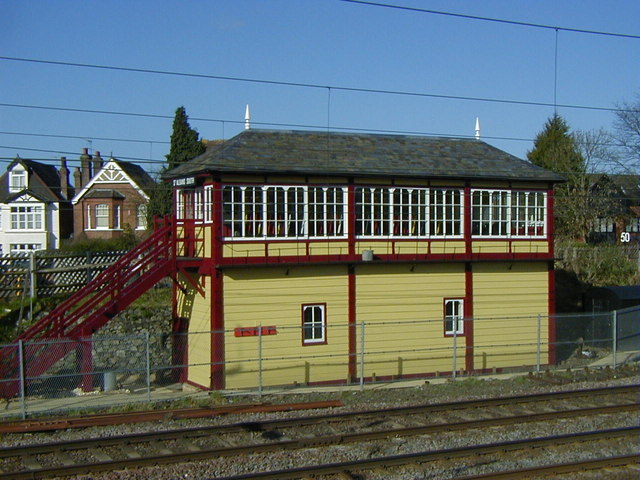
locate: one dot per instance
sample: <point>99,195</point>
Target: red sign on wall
<point>254,331</point>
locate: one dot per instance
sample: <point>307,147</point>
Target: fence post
<point>146,337</point>
<point>32,281</point>
<point>361,356</point>
<point>539,344</point>
<point>454,366</point>
<point>260,360</point>
<point>615,337</point>
<point>23,405</point>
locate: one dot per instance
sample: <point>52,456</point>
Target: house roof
<point>105,193</point>
<point>138,175</point>
<point>44,181</point>
<point>117,171</point>
<point>357,154</point>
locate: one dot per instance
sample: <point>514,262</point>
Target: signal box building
<point>302,237</point>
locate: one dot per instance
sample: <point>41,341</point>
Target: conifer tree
<point>555,149</point>
<point>185,144</point>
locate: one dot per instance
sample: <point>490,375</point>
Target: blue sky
<point>329,45</point>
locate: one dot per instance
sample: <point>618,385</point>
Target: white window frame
<point>117,217</point>
<point>284,211</point>
<point>508,213</point>
<point>27,218</point>
<point>141,217</point>
<point>454,316</point>
<point>24,247</point>
<point>17,180</point>
<point>101,214</point>
<point>314,324</point>
<point>631,226</point>
<point>208,203</point>
<point>446,213</point>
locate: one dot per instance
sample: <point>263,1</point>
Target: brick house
<point>112,196</point>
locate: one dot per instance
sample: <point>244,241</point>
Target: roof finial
<point>477,128</point>
<point>247,118</point>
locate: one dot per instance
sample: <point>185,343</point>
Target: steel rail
<point>46,424</point>
<point>267,425</point>
<point>101,420</point>
<point>560,468</point>
<point>310,442</point>
<point>446,454</point>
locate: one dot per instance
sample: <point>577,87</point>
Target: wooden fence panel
<point>50,272</point>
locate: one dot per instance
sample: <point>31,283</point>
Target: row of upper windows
<point>24,218</point>
<point>322,212</point>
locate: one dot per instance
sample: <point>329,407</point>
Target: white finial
<point>247,118</point>
<point>477,128</point>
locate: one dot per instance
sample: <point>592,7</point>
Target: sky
<point>304,64</point>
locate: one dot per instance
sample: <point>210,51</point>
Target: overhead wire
<point>290,84</point>
<point>493,19</point>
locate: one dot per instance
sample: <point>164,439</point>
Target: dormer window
<point>17,180</point>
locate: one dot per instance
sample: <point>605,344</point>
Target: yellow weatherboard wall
<point>274,297</point>
<point>198,309</point>
<point>243,250</point>
<point>402,310</point>
<point>447,247</point>
<point>490,247</point>
<point>508,297</point>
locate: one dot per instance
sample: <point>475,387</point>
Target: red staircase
<point>89,309</point>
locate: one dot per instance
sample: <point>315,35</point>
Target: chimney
<point>77,178</point>
<point>97,163</point>
<point>85,167</point>
<point>63,173</point>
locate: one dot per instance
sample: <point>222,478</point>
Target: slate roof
<point>357,154</point>
<point>44,182</point>
<point>138,175</point>
<point>105,193</point>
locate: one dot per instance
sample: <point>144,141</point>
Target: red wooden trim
<point>468,315</point>
<point>550,221</point>
<point>406,257</point>
<point>324,322</point>
<point>351,219</point>
<point>352,297</point>
<point>466,211</point>
<point>217,329</point>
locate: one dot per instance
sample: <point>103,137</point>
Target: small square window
<point>454,316</point>
<point>313,324</point>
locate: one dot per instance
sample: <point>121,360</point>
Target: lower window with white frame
<point>314,324</point>
<point>453,316</point>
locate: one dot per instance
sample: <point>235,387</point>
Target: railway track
<point>99,420</point>
<point>185,445</point>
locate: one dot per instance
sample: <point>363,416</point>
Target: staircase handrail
<point>68,312</point>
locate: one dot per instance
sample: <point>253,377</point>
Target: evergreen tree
<point>185,144</point>
<point>555,149</point>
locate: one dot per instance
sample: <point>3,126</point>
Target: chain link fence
<point>103,371</point>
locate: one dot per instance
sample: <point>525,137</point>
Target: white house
<point>35,206</point>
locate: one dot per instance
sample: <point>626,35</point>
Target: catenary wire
<point>298,84</point>
<point>492,19</point>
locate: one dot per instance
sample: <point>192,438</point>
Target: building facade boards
<point>111,196</point>
<point>303,236</point>
<point>35,206</point>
